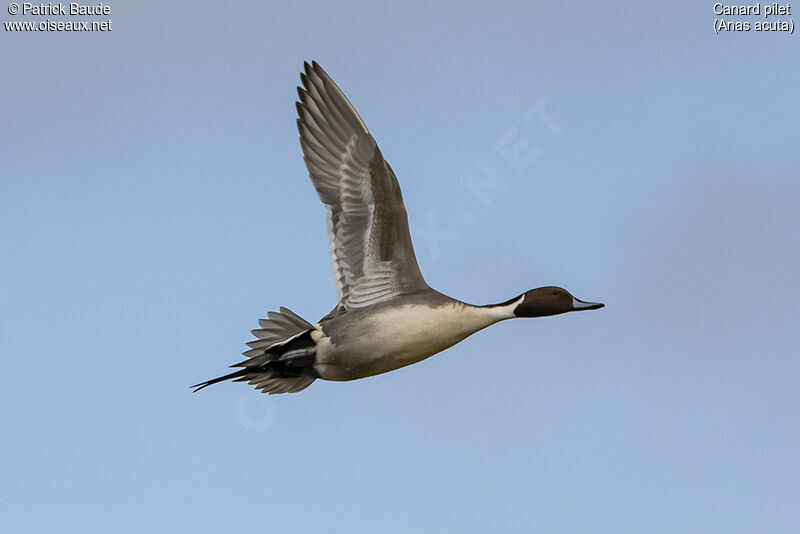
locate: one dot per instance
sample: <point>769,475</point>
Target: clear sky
<point>155,204</point>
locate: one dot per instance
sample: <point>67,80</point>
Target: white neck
<point>474,318</point>
<point>501,312</point>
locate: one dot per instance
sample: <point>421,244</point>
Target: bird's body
<point>387,316</point>
<point>405,331</point>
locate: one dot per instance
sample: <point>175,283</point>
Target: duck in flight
<point>387,316</point>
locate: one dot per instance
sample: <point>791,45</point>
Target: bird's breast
<point>396,337</point>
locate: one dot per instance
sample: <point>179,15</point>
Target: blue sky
<point>155,205</point>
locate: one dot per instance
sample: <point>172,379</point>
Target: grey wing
<point>370,244</point>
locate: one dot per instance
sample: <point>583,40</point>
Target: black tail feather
<point>235,374</point>
<point>285,362</point>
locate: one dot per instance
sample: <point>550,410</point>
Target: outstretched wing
<point>370,245</point>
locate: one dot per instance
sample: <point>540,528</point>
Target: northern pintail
<point>387,316</point>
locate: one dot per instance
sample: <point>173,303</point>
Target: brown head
<point>551,300</point>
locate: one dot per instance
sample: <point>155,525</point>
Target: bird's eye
<point>556,292</point>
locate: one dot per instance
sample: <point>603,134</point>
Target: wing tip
<point>315,75</point>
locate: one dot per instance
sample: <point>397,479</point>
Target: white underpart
<point>420,325</point>
<point>403,335</point>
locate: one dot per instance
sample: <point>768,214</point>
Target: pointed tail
<point>280,360</point>
<point>235,374</point>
